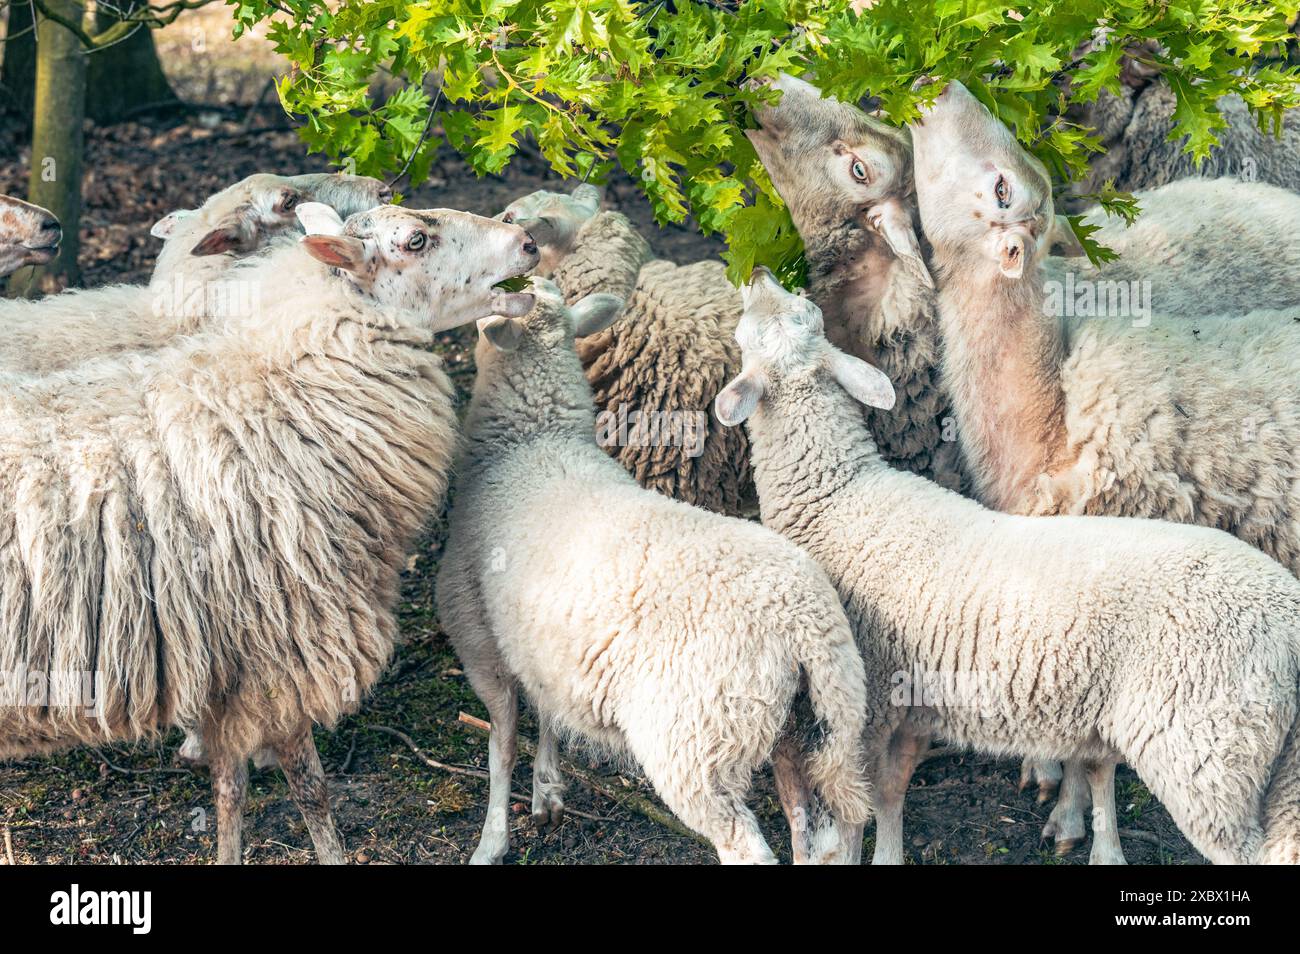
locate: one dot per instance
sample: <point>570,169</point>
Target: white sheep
<point>191,281</point>
<point>647,628</point>
<point>211,534</point>
<point>29,235</point>
<point>1174,648</point>
<point>1196,421</point>
<point>655,371</point>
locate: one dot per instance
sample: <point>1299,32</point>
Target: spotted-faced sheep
<point>191,283</point>
<point>1196,421</point>
<point>29,235</point>
<point>651,629</point>
<point>655,370</point>
<point>211,534</point>
<point>1174,648</point>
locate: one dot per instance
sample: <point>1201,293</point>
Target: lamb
<point>654,372</point>
<point>1175,648</point>
<point>190,283</point>
<point>213,531</point>
<point>650,629</point>
<point>1190,421</point>
<point>29,235</point>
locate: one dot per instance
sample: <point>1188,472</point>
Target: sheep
<point>29,235</point>
<point>1175,648</point>
<point>214,530</point>
<point>835,166</point>
<point>1190,421</point>
<point>654,372</point>
<point>1134,126</point>
<point>653,630</point>
<point>190,282</point>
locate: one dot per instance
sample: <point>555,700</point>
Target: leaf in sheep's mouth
<point>516,284</point>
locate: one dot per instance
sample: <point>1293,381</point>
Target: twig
<point>424,134</point>
<point>1139,835</point>
<point>347,762</point>
<point>472,773</point>
<point>628,799</point>
<point>9,847</point>
<point>257,104</point>
<point>145,771</point>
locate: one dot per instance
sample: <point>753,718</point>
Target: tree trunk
<point>124,79</point>
<point>57,145</point>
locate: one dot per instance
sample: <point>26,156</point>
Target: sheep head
<point>833,164</point>
<point>243,218</point>
<point>29,235</point>
<point>986,204</point>
<point>440,265</point>
<point>554,220</point>
<point>782,340</point>
<point>551,322</point>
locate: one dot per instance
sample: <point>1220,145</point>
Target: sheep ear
<point>894,223</point>
<point>739,399</point>
<point>595,313</point>
<point>340,251</point>
<point>165,226</point>
<point>864,382</point>
<point>502,333</point>
<point>1063,241</point>
<point>541,228</point>
<point>589,196</point>
<point>226,238</point>
<point>317,218</point>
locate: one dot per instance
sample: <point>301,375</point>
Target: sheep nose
<point>530,247</point>
<point>385,195</point>
<point>50,232</point>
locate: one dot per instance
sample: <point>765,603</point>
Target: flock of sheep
<point>1072,540</point>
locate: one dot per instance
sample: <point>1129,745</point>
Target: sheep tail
<point>838,695</point>
<point>1282,806</point>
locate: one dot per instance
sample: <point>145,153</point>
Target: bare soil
<point>137,805</point>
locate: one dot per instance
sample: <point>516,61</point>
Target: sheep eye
<point>859,170</point>
<point>416,241</point>
<point>1003,192</point>
<point>288,201</point>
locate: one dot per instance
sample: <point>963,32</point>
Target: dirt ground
<point>136,805</point>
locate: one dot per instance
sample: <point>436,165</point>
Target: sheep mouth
<point>515,283</point>
<point>40,254</point>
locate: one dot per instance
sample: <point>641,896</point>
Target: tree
<point>659,87</point>
<point>64,36</point>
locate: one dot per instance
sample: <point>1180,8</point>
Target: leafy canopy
<point>659,87</point>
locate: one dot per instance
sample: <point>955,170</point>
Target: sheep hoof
<point>548,818</point>
<point>1066,845</point>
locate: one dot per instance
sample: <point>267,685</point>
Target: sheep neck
<point>809,444</point>
<point>533,392</point>
<point>1002,367</point>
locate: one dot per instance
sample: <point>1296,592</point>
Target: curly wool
<point>1134,128</point>
<point>1175,648</point>
<point>216,529</point>
<point>670,354</point>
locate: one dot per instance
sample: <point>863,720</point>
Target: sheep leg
<point>229,786</point>
<point>1106,848</point>
<point>793,792</point>
<point>906,748</point>
<point>300,763</point>
<point>1046,773</point>
<point>500,696</point>
<point>548,782</point>
<point>1065,824</point>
